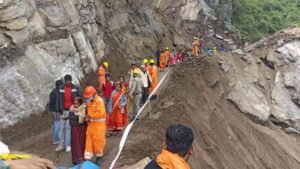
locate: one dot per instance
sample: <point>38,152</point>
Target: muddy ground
<point>224,137</point>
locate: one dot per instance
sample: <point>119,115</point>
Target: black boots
<point>98,161</point>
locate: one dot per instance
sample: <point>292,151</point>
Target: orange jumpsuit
<point>154,78</point>
<point>95,134</point>
<point>196,45</point>
<point>101,72</point>
<point>167,57</point>
<point>162,60</point>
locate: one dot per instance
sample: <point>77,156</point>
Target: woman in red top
<point>107,88</point>
<point>180,56</point>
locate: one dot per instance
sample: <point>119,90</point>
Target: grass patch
<point>254,19</point>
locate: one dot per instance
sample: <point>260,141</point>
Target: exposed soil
<point>224,137</point>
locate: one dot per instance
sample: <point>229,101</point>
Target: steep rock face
<point>42,40</point>
<point>286,93</point>
<point>271,86</point>
<point>222,8</point>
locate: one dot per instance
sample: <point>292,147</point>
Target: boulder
<point>224,66</point>
<point>250,100</point>
<point>54,16</point>
<point>18,36</point>
<point>19,10</point>
<point>290,52</point>
<point>284,108</point>
<point>218,36</point>
<point>229,41</point>
<point>210,33</point>
<point>16,24</point>
<point>239,52</point>
<point>272,59</point>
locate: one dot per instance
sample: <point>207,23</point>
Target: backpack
<point>73,119</point>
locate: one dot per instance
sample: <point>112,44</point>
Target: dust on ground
<point>224,137</point>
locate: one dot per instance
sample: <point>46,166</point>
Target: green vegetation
<point>253,19</point>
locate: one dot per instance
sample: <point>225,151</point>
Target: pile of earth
<point>224,137</point>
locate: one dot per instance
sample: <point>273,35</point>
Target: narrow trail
<point>41,144</point>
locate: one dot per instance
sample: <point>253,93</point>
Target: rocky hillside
<point>42,40</point>
<point>209,95</point>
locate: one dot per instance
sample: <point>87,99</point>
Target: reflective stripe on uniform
<point>74,90</point>
<point>88,155</point>
<point>98,120</point>
<point>99,155</point>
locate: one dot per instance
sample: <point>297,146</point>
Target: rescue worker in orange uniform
<point>177,149</point>
<point>162,59</point>
<point>96,130</point>
<point>153,73</point>
<point>147,65</point>
<point>167,56</point>
<point>196,45</point>
<point>102,72</point>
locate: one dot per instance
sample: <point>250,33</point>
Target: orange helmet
<point>89,91</point>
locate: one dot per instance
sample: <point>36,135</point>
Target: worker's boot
<point>98,161</point>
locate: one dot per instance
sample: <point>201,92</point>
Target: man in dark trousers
<point>177,149</point>
<point>65,98</point>
<point>157,55</point>
<point>54,112</point>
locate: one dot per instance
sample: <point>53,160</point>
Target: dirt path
<point>41,145</point>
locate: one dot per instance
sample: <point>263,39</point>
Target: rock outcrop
<point>42,40</point>
<point>268,83</point>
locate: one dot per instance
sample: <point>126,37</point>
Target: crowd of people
<point>82,121</point>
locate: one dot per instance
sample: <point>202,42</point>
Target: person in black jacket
<point>157,55</point>
<point>54,113</point>
<point>65,98</point>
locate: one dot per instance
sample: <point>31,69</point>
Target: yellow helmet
<point>195,37</point>
<point>152,61</point>
<point>106,64</point>
<point>136,71</point>
<point>167,48</point>
<point>145,61</point>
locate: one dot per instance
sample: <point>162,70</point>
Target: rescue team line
<point>128,128</point>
